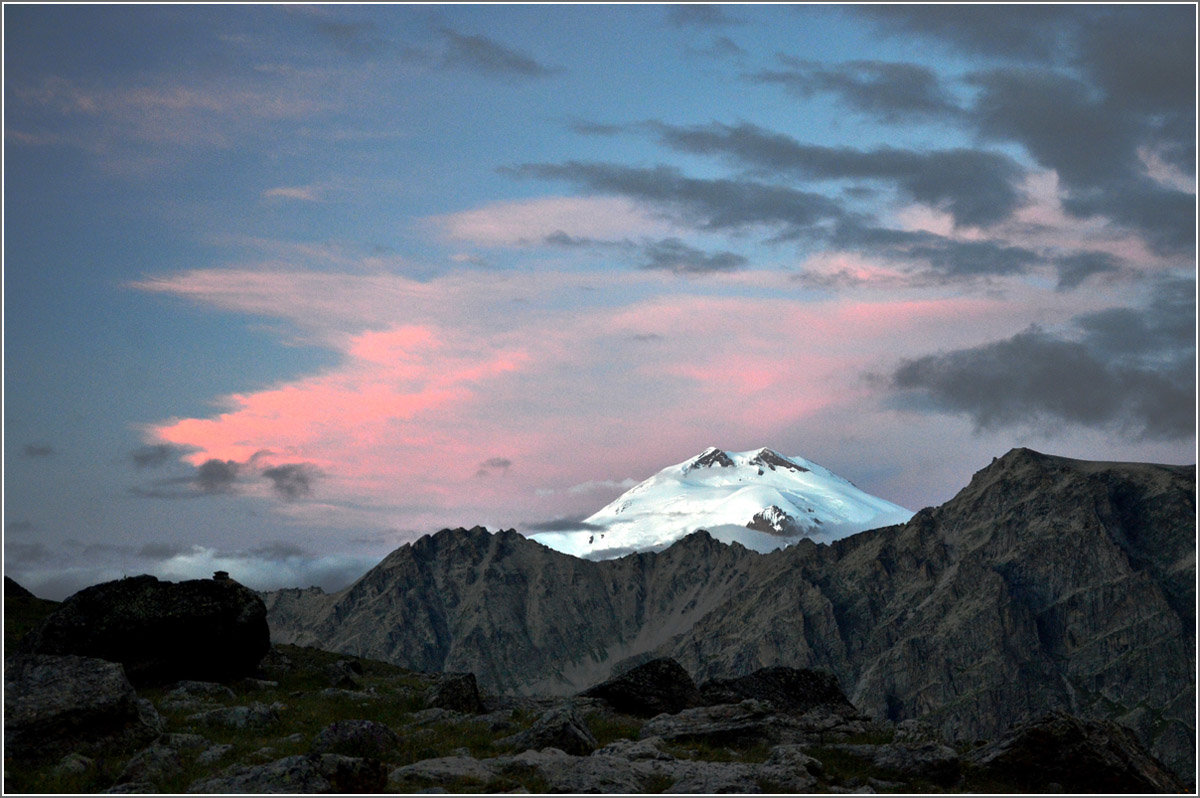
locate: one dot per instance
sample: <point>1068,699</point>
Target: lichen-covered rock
<point>314,773</point>
<point>930,762</point>
<point>660,685</point>
<point>786,689</point>
<point>254,716</point>
<point>443,771</point>
<point>790,769</point>
<point>456,691</point>
<point>353,737</point>
<point>561,728</point>
<point>1081,756</point>
<point>162,632</point>
<point>55,704</point>
<point>746,723</point>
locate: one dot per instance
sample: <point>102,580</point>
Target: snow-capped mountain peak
<point>760,498</point>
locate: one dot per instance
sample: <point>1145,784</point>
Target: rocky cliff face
<point>1046,583</point>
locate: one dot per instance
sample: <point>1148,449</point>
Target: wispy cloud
<point>888,91</point>
<point>489,57</point>
<point>300,193</point>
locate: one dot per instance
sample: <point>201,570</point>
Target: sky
<point>288,286</point>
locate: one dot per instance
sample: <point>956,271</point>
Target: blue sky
<point>288,286</point>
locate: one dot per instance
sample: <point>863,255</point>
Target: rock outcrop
<point>1079,756</point>
<point>53,705</point>
<point>660,685</point>
<point>203,629</point>
<point>1045,584</point>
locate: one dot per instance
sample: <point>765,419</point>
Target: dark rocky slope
<point>1045,584</point>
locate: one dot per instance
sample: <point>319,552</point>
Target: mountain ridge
<point>1045,583</point>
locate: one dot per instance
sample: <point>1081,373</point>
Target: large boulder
<point>56,704</point>
<point>660,685</point>
<point>786,689</point>
<point>205,629</point>
<point>1082,756</point>
<point>456,691</point>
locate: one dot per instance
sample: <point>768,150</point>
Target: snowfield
<point>760,499</point>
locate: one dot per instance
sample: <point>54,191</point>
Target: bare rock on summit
<point>162,632</point>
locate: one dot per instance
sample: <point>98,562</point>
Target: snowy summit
<point>760,498</point>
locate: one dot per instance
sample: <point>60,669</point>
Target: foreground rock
<point>1080,756</point>
<point>314,773</point>
<point>661,685</point>
<point>80,704</point>
<point>203,629</point>
<point>786,689</point>
<point>559,728</point>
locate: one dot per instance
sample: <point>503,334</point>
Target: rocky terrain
<point>310,721</point>
<point>1047,584</point>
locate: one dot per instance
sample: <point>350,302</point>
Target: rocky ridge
<point>1046,584</point>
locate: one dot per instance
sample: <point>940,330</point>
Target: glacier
<point>758,498</point>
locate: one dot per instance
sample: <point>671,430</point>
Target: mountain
<point>1045,584</point>
<point>760,499</point>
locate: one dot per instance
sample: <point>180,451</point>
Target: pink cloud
<point>520,222</point>
<point>568,393</point>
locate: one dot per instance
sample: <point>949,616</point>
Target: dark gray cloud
<point>37,450</point>
<point>891,92</point>
<point>673,255</point>
<point>492,465</point>
<point>646,338</point>
<point>26,552</point>
<point>212,477</point>
<point>947,258</point>
<point>714,204</point>
<point>1097,87</point>
<point>568,524</point>
<point>722,47</point>
<point>19,526</point>
<point>700,15</point>
<point>293,480</point>
<point>1136,92</point>
<point>1131,369</point>
<point>217,476</point>
<point>489,57</point>
<point>277,550</point>
<point>163,550</point>
<point>155,455</point>
<point>1027,31</point>
<point>976,187</point>
<point>1074,269</point>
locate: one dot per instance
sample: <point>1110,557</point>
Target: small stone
<point>74,764</point>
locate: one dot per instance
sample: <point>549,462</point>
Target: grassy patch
<point>607,727</point>
<point>21,615</point>
<point>841,766</point>
<point>756,753</point>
